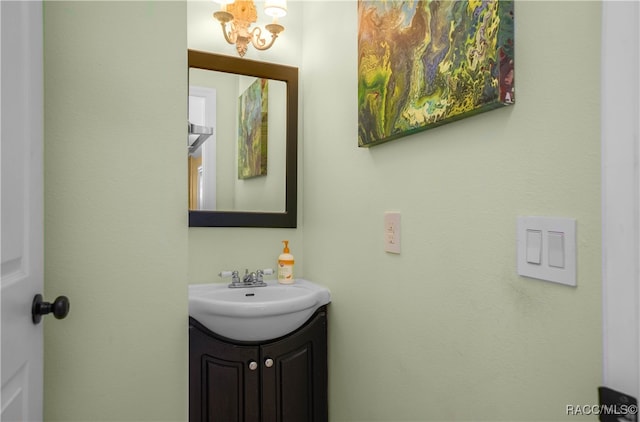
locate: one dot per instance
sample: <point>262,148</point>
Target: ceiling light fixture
<point>236,18</point>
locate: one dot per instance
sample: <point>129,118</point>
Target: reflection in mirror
<point>219,177</point>
<point>243,142</point>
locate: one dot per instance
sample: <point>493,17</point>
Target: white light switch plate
<point>557,252</point>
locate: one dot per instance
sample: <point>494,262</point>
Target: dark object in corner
<point>616,406</point>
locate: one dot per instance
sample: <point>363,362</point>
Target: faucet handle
<point>235,278</point>
<point>260,273</point>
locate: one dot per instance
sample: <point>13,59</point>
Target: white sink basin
<point>255,313</point>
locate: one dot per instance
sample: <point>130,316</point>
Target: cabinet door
<point>223,386</point>
<point>294,373</point>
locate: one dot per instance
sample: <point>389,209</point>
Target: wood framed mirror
<point>252,149</point>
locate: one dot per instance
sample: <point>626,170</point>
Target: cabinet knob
<point>268,362</point>
<point>253,365</point>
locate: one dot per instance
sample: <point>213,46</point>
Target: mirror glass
<point>242,142</point>
<point>220,176</point>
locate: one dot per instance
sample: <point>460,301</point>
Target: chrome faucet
<point>254,279</point>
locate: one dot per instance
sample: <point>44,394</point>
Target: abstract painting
<point>425,63</point>
<point>252,130</point>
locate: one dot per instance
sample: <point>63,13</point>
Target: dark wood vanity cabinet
<point>282,380</point>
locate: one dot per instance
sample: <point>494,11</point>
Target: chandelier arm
<point>231,35</point>
<point>260,43</point>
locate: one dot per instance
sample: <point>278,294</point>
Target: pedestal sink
<point>256,313</point>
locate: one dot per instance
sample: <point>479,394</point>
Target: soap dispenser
<point>285,265</point>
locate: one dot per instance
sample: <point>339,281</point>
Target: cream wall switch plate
<point>392,232</point>
<point>547,249</point>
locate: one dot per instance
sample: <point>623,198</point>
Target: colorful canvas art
<point>425,63</point>
<point>252,130</point>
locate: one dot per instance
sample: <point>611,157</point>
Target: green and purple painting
<point>252,130</point>
<point>425,63</point>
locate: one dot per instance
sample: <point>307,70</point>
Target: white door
<point>21,135</point>
<point>621,195</point>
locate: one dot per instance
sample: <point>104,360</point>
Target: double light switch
<point>547,249</point>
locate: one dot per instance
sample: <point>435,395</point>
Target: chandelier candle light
<point>240,14</point>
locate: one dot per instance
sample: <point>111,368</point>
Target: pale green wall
<point>447,330</point>
<point>115,209</point>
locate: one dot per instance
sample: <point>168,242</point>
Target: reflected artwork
<point>425,63</point>
<point>252,130</point>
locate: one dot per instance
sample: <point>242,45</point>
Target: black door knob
<point>59,308</point>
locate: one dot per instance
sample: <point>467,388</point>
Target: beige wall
<point>444,331</point>
<point>115,210</point>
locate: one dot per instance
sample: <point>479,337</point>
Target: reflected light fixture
<point>236,18</point>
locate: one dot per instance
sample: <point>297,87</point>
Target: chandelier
<point>236,18</point>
